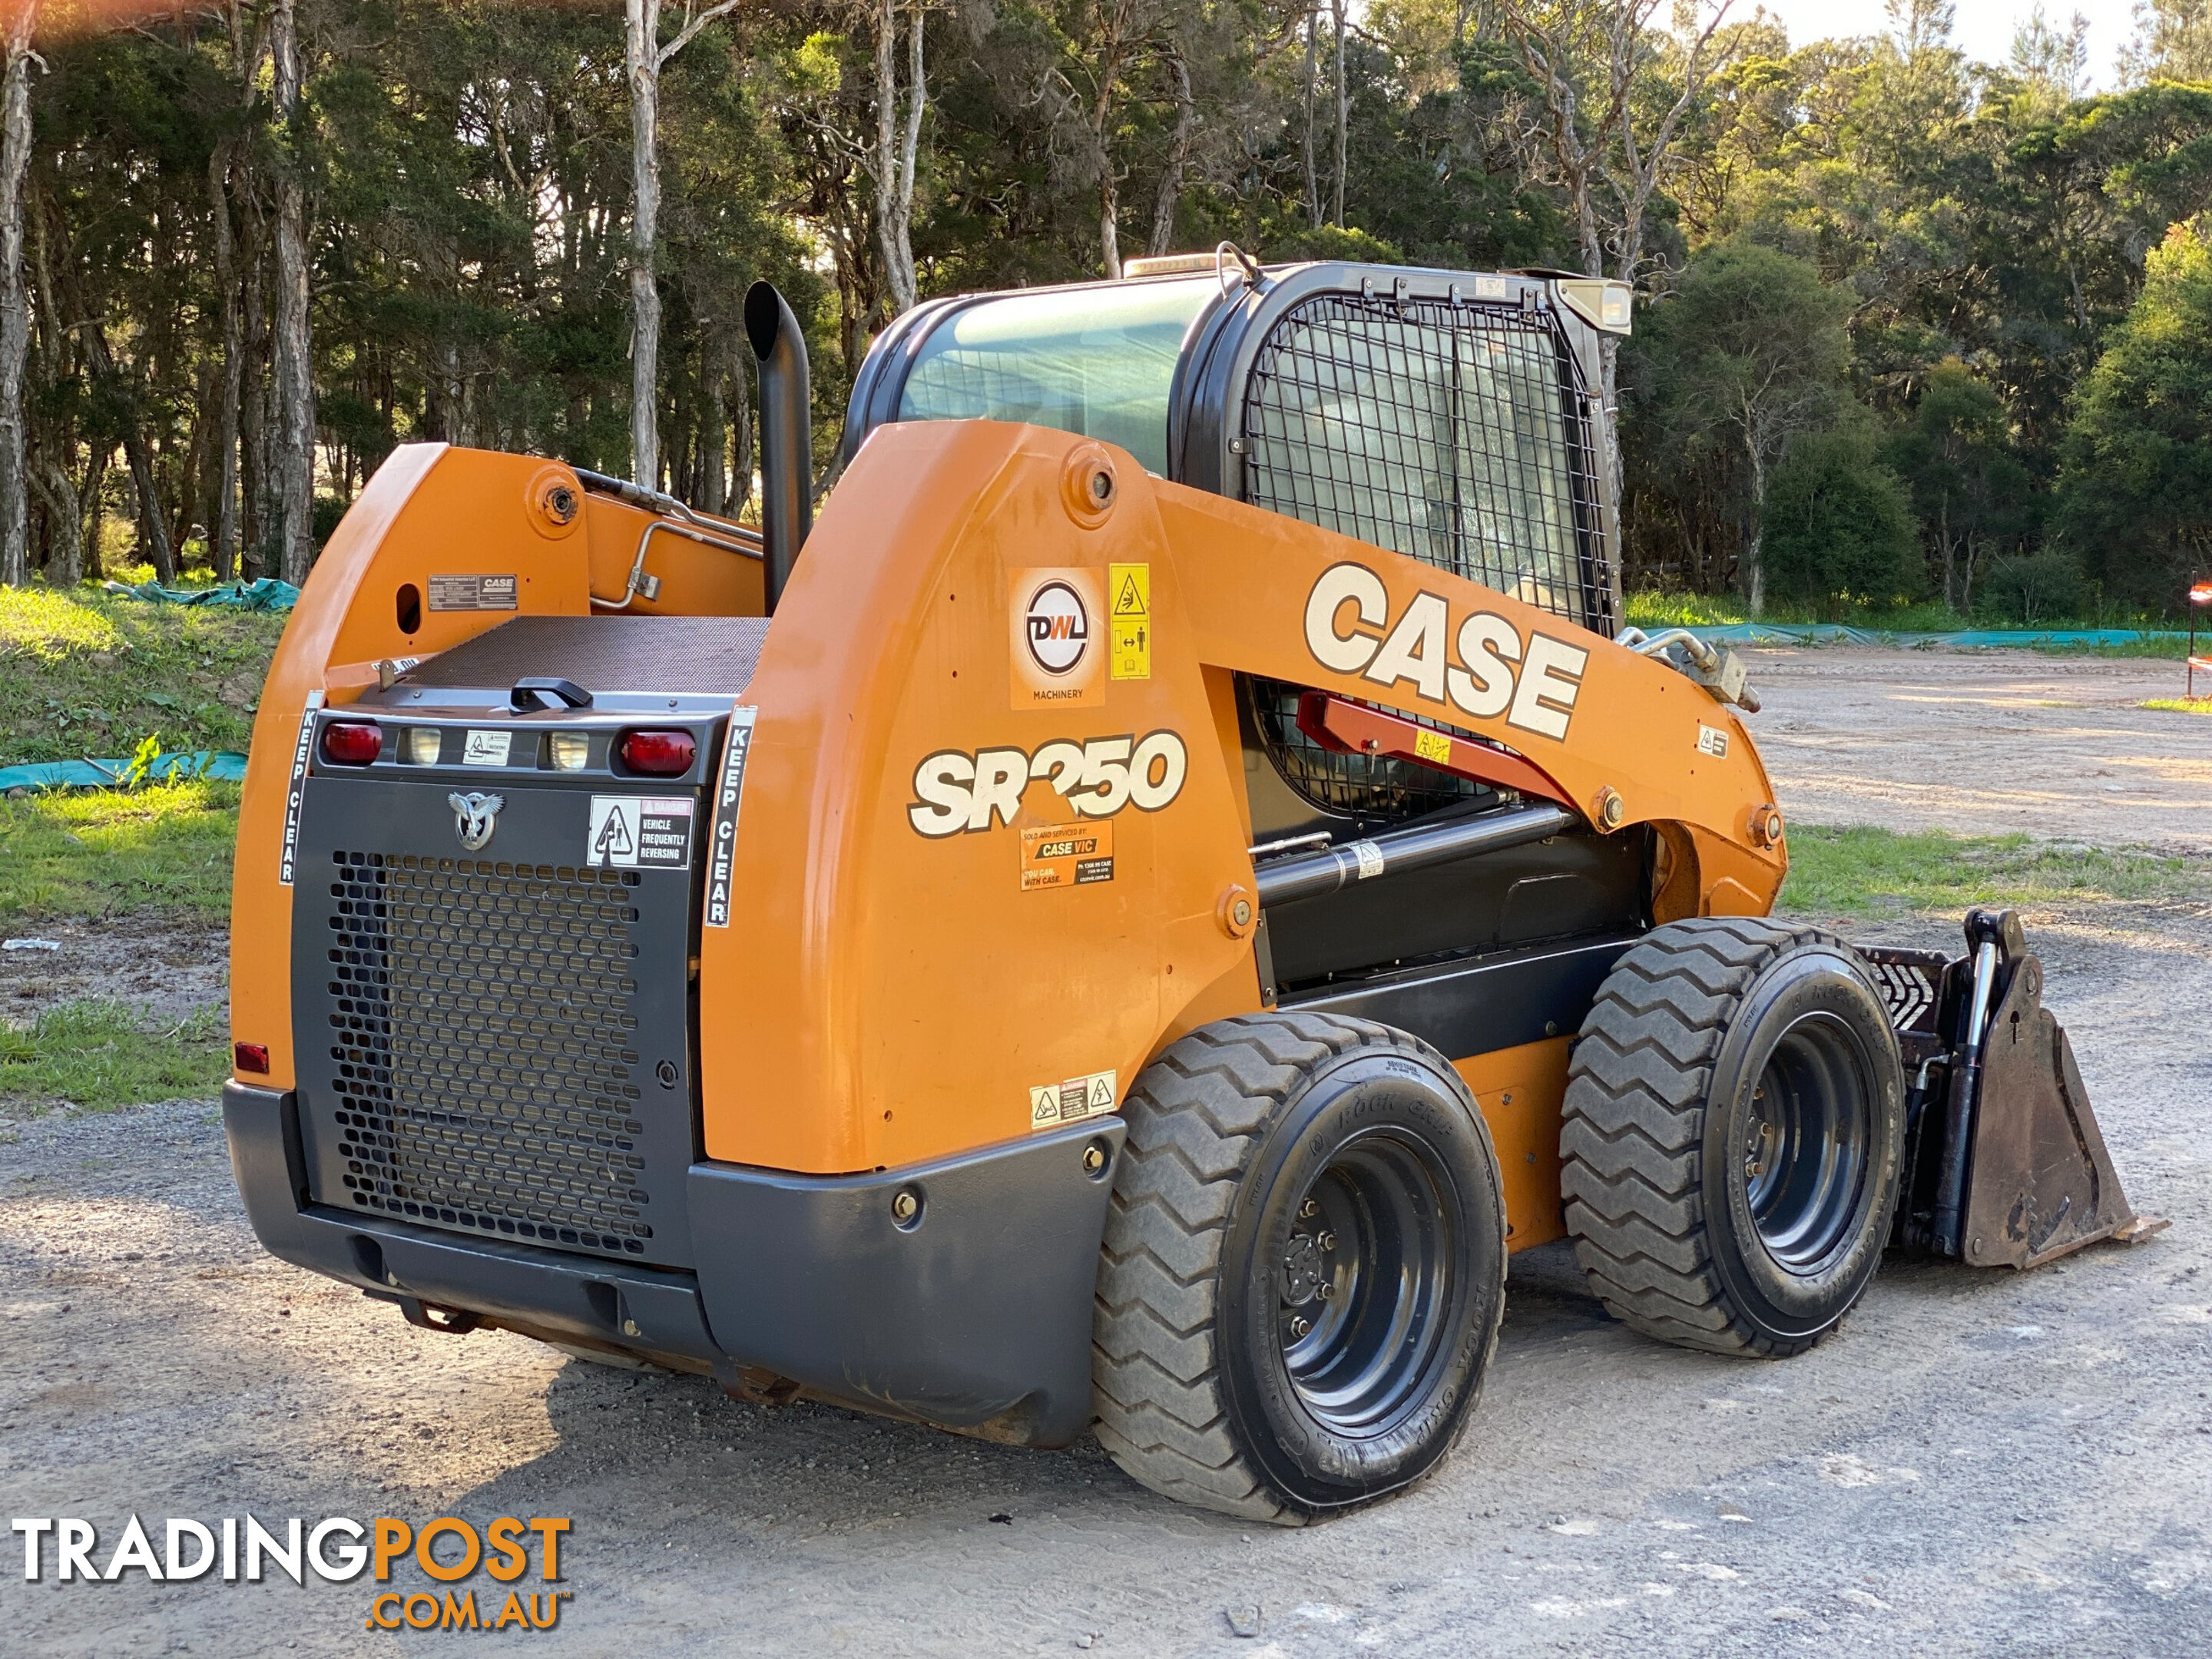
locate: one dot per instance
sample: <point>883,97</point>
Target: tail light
<point>352,742</point>
<point>250,1057</point>
<point>658,754</point>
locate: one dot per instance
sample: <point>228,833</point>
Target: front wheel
<point>1304,1267</point>
<point>1732,1133</point>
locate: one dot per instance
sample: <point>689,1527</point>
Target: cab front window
<point>1095,361</point>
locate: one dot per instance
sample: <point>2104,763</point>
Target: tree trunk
<point>1110,234</point>
<point>1343,109</point>
<point>295,389</point>
<point>14,302</point>
<point>222,533</point>
<point>1943,535</point>
<point>257,550</point>
<point>1170,192</point>
<point>642,24</point>
<point>94,496</point>
<point>1754,535</point>
<point>150,526</point>
<point>65,514</point>
<point>741,434</point>
<point>713,431</point>
<point>897,146</point>
<point>1312,76</point>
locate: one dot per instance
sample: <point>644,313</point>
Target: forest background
<point>1911,329</point>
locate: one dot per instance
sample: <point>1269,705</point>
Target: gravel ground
<point>170,969</point>
<point>1986,743</point>
<point>1977,1463</point>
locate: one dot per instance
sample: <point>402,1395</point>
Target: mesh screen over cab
<point>1453,435</point>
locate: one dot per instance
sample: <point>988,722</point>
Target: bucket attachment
<point>2004,1164</point>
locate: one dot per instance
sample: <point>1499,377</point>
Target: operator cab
<point>1452,417</point>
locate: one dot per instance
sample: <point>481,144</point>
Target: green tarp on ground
<point>1836,633</point>
<point>106,774</point>
<point>267,594</point>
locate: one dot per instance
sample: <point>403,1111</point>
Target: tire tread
<point>1196,1118</point>
<point>1632,1130</point>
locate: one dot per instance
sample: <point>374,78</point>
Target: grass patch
<point>1865,871</point>
<point>1652,611</point>
<point>101,1054</point>
<point>2181,705</point>
<point>86,674</point>
<point>99,853</point>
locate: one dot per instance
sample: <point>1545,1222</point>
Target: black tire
<point>1205,1388</point>
<point>1733,1124</point>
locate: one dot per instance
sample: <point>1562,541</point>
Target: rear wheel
<point>1732,1134</point>
<point>1304,1267</point>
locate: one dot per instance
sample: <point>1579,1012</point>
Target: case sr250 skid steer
<point>1130,927</point>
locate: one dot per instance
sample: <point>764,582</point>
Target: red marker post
<point>2200,595</point>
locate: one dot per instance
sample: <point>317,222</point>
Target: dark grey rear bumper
<point>977,1313</point>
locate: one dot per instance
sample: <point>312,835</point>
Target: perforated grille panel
<point>1452,434</point>
<point>482,1040</point>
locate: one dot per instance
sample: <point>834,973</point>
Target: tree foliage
<point>1869,267</point>
<point>2135,494</point>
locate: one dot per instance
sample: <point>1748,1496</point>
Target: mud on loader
<point>1184,875</point>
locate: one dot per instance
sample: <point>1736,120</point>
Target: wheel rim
<point>1365,1283</point>
<point>1808,1140</point>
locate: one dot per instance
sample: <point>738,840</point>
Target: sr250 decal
<point>1482,681</point>
<point>955,793</point>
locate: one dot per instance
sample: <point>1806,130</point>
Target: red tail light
<point>250,1057</point>
<point>352,742</point>
<point>658,754</point>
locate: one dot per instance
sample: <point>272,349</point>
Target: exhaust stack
<point>787,449</point>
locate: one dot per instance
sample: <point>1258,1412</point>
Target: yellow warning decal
<point>1092,1094</point>
<point>1432,746</point>
<point>1129,617</point>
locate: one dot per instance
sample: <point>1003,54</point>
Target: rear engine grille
<point>483,1034</point>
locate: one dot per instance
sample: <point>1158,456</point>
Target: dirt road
<point>1987,742</point>
<point>1976,1464</point>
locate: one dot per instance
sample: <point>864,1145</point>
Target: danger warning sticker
<point>1066,855</point>
<point>1129,620</point>
<point>629,832</point>
<point>1712,741</point>
<point>1051,1104</point>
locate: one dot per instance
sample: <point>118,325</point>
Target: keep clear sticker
<point>729,795</point>
<point>631,832</point>
<point>288,853</point>
<point>1072,1100</point>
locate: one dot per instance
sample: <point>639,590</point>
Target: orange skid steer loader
<point>1182,877</point>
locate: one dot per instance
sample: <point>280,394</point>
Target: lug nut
<point>1308,1210</point>
<point>1300,1325</point>
<point>1326,1290</point>
<point>1326,1241</point>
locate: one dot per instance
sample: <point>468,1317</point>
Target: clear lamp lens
<point>422,742</point>
<point>571,750</point>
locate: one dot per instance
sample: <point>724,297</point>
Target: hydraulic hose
<point>1310,875</point>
